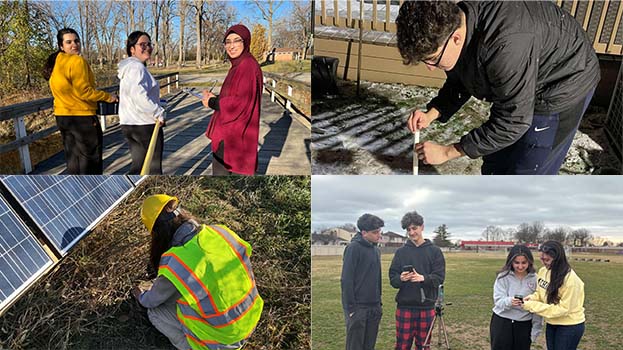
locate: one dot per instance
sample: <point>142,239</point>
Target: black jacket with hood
<point>524,57</point>
<point>361,274</point>
<point>428,261</point>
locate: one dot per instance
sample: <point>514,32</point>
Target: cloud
<point>468,204</point>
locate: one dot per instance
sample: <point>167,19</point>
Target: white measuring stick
<point>416,161</point>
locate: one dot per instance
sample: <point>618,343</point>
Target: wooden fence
<point>600,19</point>
<point>18,112</point>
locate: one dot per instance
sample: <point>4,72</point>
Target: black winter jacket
<point>361,274</point>
<point>524,57</point>
<point>428,261</point>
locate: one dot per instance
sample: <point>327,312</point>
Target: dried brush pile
<point>85,303</point>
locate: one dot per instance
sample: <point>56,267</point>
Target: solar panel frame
<point>22,261</point>
<point>66,207</point>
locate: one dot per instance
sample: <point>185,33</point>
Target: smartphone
<point>407,268</point>
<point>520,297</point>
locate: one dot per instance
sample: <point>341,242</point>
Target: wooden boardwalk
<point>284,142</point>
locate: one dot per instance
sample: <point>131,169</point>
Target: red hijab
<point>235,126</point>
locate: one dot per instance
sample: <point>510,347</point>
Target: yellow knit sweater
<point>570,309</point>
<point>73,87</point>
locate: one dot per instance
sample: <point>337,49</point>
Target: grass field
<point>469,287</point>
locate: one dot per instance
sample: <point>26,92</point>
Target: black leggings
<point>138,137</point>
<point>82,142</point>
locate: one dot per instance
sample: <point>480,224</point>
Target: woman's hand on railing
<point>113,98</point>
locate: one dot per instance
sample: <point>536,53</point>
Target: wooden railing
<point>18,112</point>
<point>286,100</point>
<point>601,19</point>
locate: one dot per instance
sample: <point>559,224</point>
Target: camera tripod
<point>441,328</point>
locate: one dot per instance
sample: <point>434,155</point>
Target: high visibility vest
<point>220,305</point>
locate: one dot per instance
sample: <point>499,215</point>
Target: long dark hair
<point>133,39</point>
<point>162,233</point>
<point>49,64</point>
<point>517,250</point>
<point>558,269</point>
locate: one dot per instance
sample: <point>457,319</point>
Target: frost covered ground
<point>368,134</point>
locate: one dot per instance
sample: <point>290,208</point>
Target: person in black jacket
<point>531,59</point>
<point>417,270</point>
<point>361,284</point>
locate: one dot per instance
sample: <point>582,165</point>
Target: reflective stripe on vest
<point>215,258</point>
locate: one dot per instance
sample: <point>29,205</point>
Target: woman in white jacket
<point>139,107</point>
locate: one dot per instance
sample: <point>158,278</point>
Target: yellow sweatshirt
<point>569,311</point>
<point>73,86</point>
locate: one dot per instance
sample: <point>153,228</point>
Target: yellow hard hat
<point>152,207</point>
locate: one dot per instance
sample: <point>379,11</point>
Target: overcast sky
<point>468,204</point>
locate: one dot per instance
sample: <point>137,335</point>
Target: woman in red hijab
<point>234,126</point>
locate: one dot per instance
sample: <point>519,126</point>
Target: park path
<point>284,142</point>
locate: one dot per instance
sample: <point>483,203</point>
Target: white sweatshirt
<point>139,94</point>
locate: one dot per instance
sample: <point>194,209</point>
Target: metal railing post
<point>24,152</point>
<point>168,84</point>
<point>177,81</point>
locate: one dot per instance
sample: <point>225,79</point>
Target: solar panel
<point>137,179</point>
<point>22,260</point>
<point>65,208</point>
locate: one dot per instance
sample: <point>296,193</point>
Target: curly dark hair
<point>559,269</point>
<point>369,222</point>
<point>411,218</point>
<point>517,250</point>
<point>423,26</point>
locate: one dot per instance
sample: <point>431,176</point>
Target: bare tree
<point>557,234</point>
<point>268,9</point>
<point>198,7</point>
<point>182,10</point>
<point>580,237</point>
<point>493,233</point>
<point>529,233</point>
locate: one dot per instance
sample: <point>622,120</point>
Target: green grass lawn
<point>469,287</point>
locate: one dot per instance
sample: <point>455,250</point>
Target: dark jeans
<point>82,142</point>
<point>543,148</point>
<point>362,327</point>
<point>563,337</point>
<point>507,334</point>
<point>138,137</point>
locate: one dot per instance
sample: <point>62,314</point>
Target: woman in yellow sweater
<point>75,102</point>
<point>559,299</point>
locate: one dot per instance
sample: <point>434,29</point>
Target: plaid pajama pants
<point>412,324</point>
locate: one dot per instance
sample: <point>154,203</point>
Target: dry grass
<point>85,303</point>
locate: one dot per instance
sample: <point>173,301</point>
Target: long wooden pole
<point>150,151</point>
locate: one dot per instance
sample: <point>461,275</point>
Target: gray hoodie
<point>504,290</point>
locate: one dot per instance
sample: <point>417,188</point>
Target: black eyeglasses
<point>144,46</point>
<point>436,64</point>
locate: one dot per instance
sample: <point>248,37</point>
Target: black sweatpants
<point>82,142</point>
<point>507,334</point>
<point>543,148</point>
<point>138,137</point>
<point>362,327</point>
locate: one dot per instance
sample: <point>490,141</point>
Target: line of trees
<point>537,232</point>
<point>181,31</point>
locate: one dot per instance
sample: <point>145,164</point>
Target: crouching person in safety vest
<point>205,295</point>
